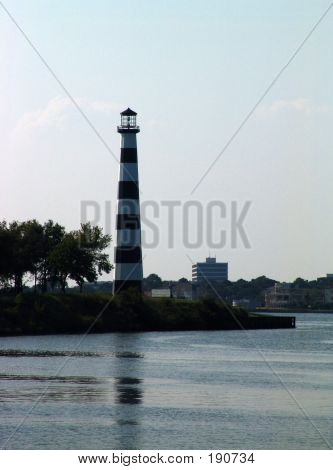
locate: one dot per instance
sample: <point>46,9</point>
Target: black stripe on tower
<point>128,221</point>
<point>122,285</point>
<point>128,155</point>
<point>128,255</point>
<point>128,190</point>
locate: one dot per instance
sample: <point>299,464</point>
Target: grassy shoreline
<point>292,310</point>
<point>37,314</point>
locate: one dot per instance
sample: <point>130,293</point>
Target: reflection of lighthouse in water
<point>128,390</point>
<point>128,255</point>
<point>126,370</point>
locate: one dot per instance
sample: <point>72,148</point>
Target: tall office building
<point>209,271</point>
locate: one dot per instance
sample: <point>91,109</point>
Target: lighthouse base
<point>119,286</point>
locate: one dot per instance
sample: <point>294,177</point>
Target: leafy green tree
<point>50,255</point>
<point>32,247</point>
<point>53,234</point>
<point>80,256</point>
<point>96,261</point>
<point>22,250</point>
<point>22,253</point>
<point>153,281</point>
<point>6,255</point>
<point>300,283</point>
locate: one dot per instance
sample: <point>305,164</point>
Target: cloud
<point>55,115</point>
<point>299,105</point>
<point>103,106</point>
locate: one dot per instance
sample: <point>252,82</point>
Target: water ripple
<point>41,353</point>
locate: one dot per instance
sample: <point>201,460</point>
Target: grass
<point>126,312</point>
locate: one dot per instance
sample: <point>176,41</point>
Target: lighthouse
<point>128,254</point>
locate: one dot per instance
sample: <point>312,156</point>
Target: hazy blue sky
<point>192,70</point>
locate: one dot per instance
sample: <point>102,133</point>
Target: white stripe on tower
<point>128,254</point>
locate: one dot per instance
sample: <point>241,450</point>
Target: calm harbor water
<point>183,390</point>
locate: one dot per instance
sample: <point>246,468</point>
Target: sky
<point>192,70</point>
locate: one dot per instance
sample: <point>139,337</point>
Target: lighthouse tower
<point>128,256</point>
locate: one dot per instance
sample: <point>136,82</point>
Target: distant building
<point>209,271</point>
<point>328,296</point>
<point>278,295</point>
<point>160,293</point>
<point>285,295</point>
<point>330,276</point>
<point>182,290</point>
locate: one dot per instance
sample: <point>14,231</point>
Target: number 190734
<point>231,457</point>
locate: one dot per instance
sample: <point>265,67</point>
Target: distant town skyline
<point>192,71</point>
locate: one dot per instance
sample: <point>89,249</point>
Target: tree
<point>6,255</point>
<point>96,261</point>
<point>23,250</point>
<point>80,256</point>
<point>50,255</point>
<point>32,247</point>
<point>53,234</point>
<point>300,283</point>
<point>153,281</point>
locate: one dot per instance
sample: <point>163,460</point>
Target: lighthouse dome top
<point>128,112</point>
<point>128,122</point>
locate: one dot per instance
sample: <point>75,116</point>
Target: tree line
<point>48,256</point>
<point>226,289</point>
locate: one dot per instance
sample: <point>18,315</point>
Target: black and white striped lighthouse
<point>128,255</point>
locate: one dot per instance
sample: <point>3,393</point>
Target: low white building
<point>160,293</point>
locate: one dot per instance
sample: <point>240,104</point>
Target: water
<point>183,390</point>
